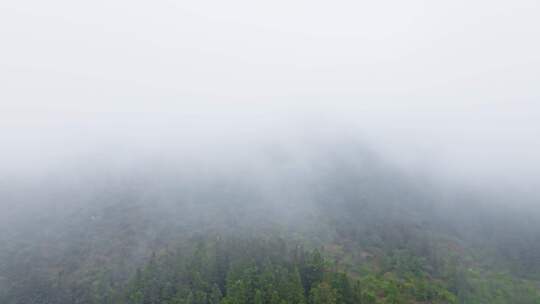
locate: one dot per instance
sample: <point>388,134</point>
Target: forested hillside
<point>341,226</point>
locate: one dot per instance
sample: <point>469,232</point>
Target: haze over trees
<point>269,152</point>
<point>332,222</point>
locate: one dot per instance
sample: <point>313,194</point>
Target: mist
<point>431,84</point>
<point>128,128</point>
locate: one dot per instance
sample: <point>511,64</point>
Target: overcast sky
<point>450,84</point>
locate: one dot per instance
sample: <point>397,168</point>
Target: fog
<point>444,87</point>
<point>392,129</point>
<point>493,147</point>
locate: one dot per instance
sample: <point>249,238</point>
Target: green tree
<point>323,293</point>
<point>258,299</point>
<point>237,293</point>
<point>314,269</point>
<point>215,295</point>
<point>295,289</point>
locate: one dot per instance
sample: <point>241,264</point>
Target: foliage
<point>266,272</point>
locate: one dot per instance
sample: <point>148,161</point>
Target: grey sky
<point>449,84</point>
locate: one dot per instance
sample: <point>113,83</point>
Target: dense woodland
<point>335,228</point>
<point>264,271</point>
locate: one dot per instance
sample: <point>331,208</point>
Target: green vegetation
<point>269,270</point>
<point>256,271</point>
<point>342,233</point>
